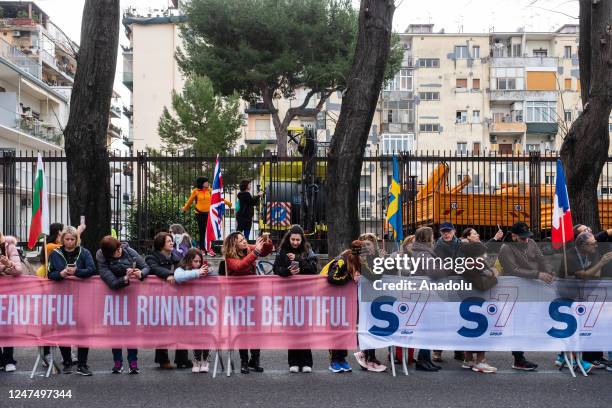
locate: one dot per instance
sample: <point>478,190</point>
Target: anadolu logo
<point>482,314</point>
<point>403,314</point>
<point>577,316</point>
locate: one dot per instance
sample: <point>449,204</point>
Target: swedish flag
<point>394,210</point>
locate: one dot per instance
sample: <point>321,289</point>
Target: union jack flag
<point>214,228</point>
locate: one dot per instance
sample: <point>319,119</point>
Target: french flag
<point>562,228</point>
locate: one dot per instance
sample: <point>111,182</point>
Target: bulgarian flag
<point>40,206</point>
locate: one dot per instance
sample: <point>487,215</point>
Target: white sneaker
<point>204,367</point>
<point>307,369</point>
<point>294,369</point>
<point>360,357</point>
<point>483,367</point>
<point>46,361</point>
<point>10,368</point>
<point>375,366</point>
<point>468,365</point>
<point>196,366</point>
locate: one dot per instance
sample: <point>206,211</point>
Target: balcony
<point>40,130</point>
<point>260,136</point>
<point>506,95</point>
<point>257,108</point>
<point>115,111</point>
<point>397,127</point>
<point>542,128</point>
<point>507,128</point>
<point>20,22</point>
<point>114,131</point>
<point>522,62</point>
<point>18,58</point>
<point>128,141</point>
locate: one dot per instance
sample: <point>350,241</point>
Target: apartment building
<point>467,92</point>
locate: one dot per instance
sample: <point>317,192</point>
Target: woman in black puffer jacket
<point>296,258</point>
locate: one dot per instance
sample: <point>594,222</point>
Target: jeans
<point>132,355</point>
<point>300,358</point>
<point>201,355</point>
<point>338,355</point>
<point>246,233</point>
<point>81,355</point>
<point>202,219</point>
<point>244,355</point>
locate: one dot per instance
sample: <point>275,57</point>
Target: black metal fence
<point>148,192</point>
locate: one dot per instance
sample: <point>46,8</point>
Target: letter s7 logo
<point>579,315</point>
<point>498,308</point>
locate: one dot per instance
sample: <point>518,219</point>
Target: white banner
<point>516,314</point>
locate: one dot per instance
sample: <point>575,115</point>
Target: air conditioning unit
<point>16,34</point>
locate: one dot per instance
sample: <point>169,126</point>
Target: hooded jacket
<point>10,247</point>
<point>162,266</point>
<point>246,210</point>
<point>112,271</point>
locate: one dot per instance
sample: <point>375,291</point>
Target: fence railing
<point>148,192</point>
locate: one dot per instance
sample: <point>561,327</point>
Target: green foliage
<point>162,209</point>
<point>249,45</point>
<point>203,122</point>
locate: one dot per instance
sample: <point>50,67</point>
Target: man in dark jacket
<point>163,261</point>
<point>523,258</point>
<point>447,246</point>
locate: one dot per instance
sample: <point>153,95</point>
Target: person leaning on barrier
<point>523,258</point>
<point>71,260</point>
<point>423,247</point>
<point>295,257</point>
<point>118,266</point>
<point>240,260</point>
<point>10,264</point>
<point>162,263</point>
<point>367,358</point>
<point>404,250</point>
<point>583,260</point>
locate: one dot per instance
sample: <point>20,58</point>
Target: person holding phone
<point>240,260</point>
<point>295,257</point>
<point>71,260</point>
<point>162,263</point>
<point>10,264</point>
<point>194,266</point>
<point>119,266</point>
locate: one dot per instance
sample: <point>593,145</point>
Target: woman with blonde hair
<point>240,260</point>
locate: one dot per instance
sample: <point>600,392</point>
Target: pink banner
<point>213,313</point>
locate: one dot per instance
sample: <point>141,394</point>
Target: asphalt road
<point>276,387</point>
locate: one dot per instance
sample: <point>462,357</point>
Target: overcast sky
<point>474,16</point>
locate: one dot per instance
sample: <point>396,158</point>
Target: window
<point>541,52</point>
<point>567,116</point>
<point>476,116</point>
<point>461,147</point>
<point>401,82</point>
<point>476,83</point>
<point>533,147</point>
<point>516,50</point>
<point>365,212</point>
<point>461,51</point>
<point>461,117</point>
<point>429,63</point>
<point>429,127</point>
<point>568,84</point>
<point>549,178</point>
<point>567,51</point>
<point>461,82</point>
<point>365,181</point>
<point>476,51</point>
<point>541,112</point>
<point>394,143</point>
<point>429,96</point>
<point>506,83</point>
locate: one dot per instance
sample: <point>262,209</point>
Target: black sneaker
<point>118,367</point>
<point>67,368</point>
<point>84,370</point>
<point>524,365</point>
<point>134,367</point>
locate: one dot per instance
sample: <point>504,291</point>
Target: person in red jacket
<point>240,260</point>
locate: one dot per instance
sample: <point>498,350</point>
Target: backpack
<point>325,270</point>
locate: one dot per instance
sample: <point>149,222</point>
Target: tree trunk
<point>85,134</point>
<point>585,148</point>
<point>358,107</point>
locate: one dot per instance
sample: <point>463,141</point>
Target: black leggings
<point>202,219</point>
